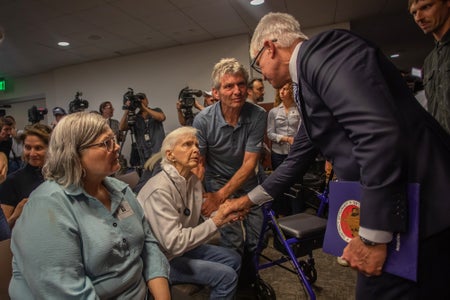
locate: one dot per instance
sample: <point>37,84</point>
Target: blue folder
<point>343,225</point>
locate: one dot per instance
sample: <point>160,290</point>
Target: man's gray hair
<point>63,164</point>
<point>227,66</point>
<point>173,138</point>
<point>282,27</point>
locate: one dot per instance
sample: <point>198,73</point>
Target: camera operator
<point>181,115</point>
<point>148,129</point>
<point>208,100</point>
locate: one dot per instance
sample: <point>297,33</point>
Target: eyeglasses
<point>108,144</point>
<point>255,65</point>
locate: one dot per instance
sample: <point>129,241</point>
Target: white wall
<point>160,74</point>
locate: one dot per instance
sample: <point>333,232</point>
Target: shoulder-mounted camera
<point>78,104</point>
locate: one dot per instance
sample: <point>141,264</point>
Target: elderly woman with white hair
<point>82,234</point>
<point>172,202</point>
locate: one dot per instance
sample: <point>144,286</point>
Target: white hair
<point>173,138</point>
<point>282,27</point>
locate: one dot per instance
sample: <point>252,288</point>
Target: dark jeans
<point>214,266</point>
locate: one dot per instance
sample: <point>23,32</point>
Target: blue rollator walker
<point>294,236</point>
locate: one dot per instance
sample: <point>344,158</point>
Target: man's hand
<point>368,260</point>
<point>241,204</point>
<point>198,105</point>
<point>224,215</point>
<point>211,203</point>
<point>178,105</point>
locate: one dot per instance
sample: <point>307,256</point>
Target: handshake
<point>223,212</point>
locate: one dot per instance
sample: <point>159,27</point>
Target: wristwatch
<point>368,242</point>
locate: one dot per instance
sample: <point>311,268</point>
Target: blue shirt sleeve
<point>67,245</point>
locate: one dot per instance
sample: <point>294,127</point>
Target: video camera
<point>186,97</point>
<point>135,100</point>
<point>78,104</point>
<point>2,111</point>
<point>36,114</point>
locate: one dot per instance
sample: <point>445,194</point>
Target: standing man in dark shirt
<point>148,129</point>
<point>433,16</point>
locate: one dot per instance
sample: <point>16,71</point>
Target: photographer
<point>187,119</point>
<point>181,113</point>
<point>147,127</point>
<point>58,113</point>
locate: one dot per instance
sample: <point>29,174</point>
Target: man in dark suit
<point>359,113</point>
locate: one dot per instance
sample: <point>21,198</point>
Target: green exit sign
<point>2,84</point>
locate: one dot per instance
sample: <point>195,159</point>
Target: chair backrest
<point>132,178</point>
<point>5,268</point>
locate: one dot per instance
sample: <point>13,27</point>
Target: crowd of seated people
<point>78,232</point>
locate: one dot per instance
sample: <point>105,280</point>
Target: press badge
<point>124,210</point>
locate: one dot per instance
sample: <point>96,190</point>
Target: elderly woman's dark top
<point>20,184</point>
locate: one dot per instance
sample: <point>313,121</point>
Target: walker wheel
<point>309,271</point>
<point>264,290</point>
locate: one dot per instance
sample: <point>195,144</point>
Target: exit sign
<point>2,84</point>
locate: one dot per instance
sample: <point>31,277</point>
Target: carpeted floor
<point>333,281</point>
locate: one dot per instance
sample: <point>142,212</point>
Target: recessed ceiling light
<point>256,2</point>
<point>395,55</point>
<point>63,44</point>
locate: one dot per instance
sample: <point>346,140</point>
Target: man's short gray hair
<point>227,66</point>
<point>276,26</point>
<point>63,164</point>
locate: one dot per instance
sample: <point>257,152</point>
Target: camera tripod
<point>134,146</point>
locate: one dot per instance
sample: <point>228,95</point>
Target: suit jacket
<point>358,112</point>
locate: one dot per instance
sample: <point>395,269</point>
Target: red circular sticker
<point>348,220</point>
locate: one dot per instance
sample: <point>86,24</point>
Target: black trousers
<point>433,280</point>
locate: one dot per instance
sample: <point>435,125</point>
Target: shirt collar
<point>293,62</point>
<point>111,184</point>
<point>445,39</point>
<point>244,116</point>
